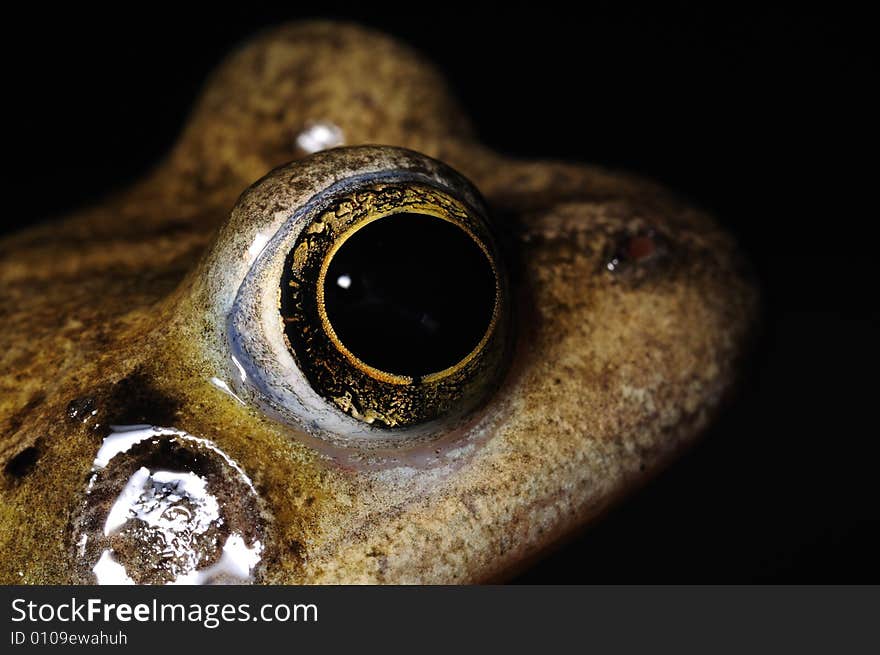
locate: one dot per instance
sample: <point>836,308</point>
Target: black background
<point>759,114</point>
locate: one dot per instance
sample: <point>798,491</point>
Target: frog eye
<point>376,309</point>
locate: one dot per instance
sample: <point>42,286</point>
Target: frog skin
<point>633,310</point>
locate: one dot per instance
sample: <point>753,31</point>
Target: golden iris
<point>395,304</point>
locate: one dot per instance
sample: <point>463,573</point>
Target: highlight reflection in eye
<point>379,310</point>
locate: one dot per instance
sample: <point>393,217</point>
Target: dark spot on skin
<point>381,561</point>
<point>640,247</point>
<point>297,549</point>
<point>134,400</point>
<point>23,463</point>
<point>630,253</point>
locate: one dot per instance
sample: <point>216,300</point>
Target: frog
<point>179,406</point>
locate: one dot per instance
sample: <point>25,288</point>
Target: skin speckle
<point>613,373</point>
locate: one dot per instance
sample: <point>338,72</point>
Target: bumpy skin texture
<point>614,371</point>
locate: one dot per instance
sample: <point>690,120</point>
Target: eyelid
<point>271,203</point>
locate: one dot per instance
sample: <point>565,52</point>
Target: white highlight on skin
<point>256,247</point>
<point>319,135</point>
<point>148,497</point>
<point>241,370</point>
<point>220,384</point>
<point>177,508</point>
<point>236,562</point>
<point>109,571</point>
<point>120,440</point>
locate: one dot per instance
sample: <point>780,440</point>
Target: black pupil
<point>410,294</point>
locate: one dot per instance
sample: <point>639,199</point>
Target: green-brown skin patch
<point>614,371</point>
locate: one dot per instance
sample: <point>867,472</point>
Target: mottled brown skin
<point>614,371</point>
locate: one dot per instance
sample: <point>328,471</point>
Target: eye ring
<point>367,392</point>
<point>239,297</point>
